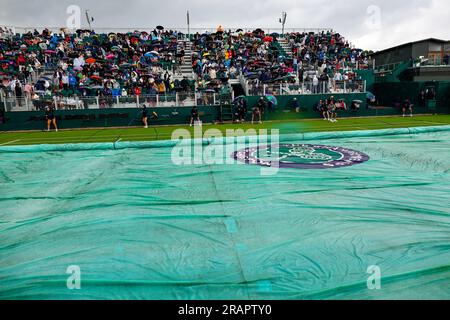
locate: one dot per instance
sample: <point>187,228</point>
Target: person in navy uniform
<point>50,118</point>
<point>194,116</point>
<point>145,116</point>
<point>295,105</point>
<point>257,113</point>
<point>332,114</point>
<point>407,106</point>
<point>323,109</point>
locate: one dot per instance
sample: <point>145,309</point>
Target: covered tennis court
<point>140,227</point>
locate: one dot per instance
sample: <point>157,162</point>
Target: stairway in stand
<point>286,47</point>
<point>186,66</point>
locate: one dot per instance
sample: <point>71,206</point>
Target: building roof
<point>410,44</point>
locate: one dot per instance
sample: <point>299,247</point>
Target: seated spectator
<point>407,107</point>
<point>341,105</point>
<point>195,117</point>
<point>355,106</point>
<point>295,105</point>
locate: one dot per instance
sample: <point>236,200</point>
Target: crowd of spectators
<point>89,64</point>
<point>85,64</point>
<point>329,52</point>
<point>317,58</point>
<point>225,54</point>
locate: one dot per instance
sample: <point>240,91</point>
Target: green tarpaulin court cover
<point>140,227</point>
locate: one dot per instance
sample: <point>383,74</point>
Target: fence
<point>322,87</point>
<point>436,62</point>
<point>182,30</point>
<point>179,99</point>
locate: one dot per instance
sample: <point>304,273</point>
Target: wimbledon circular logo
<point>301,156</point>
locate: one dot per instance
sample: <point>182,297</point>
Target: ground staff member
<point>50,117</point>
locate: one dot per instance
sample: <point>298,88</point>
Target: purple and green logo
<point>301,156</point>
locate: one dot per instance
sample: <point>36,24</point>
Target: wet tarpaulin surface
<point>140,227</point>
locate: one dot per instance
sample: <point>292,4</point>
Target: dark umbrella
<point>238,99</point>
<point>371,96</point>
<point>272,99</point>
<point>159,28</point>
<point>95,87</point>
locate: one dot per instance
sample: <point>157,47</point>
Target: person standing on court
<point>194,116</point>
<point>257,114</point>
<point>145,116</point>
<point>50,117</point>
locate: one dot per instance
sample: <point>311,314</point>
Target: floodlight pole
<point>88,20</point>
<point>188,25</point>
<point>283,21</point>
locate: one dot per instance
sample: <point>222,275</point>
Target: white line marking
<point>10,142</point>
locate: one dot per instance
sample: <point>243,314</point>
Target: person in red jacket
<point>21,60</point>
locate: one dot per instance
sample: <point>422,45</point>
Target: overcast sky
<point>368,24</point>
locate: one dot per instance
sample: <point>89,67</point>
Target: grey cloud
<point>401,20</point>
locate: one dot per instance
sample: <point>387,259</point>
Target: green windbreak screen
<point>140,227</point>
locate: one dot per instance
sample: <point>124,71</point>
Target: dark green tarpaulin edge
<point>172,143</point>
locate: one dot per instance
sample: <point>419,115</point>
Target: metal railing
<point>322,87</point>
<point>179,99</point>
<point>387,67</point>
<point>183,30</point>
<point>436,62</point>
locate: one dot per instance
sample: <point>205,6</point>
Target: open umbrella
<point>91,60</point>
<point>96,78</point>
<point>95,87</point>
<point>159,28</point>
<point>371,96</point>
<point>237,99</point>
<point>272,99</point>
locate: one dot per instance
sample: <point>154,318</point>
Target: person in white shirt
<point>65,81</point>
<point>315,84</point>
<point>338,76</point>
<point>212,74</point>
<point>336,80</point>
<point>79,63</point>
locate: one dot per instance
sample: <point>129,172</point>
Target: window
<point>434,47</point>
